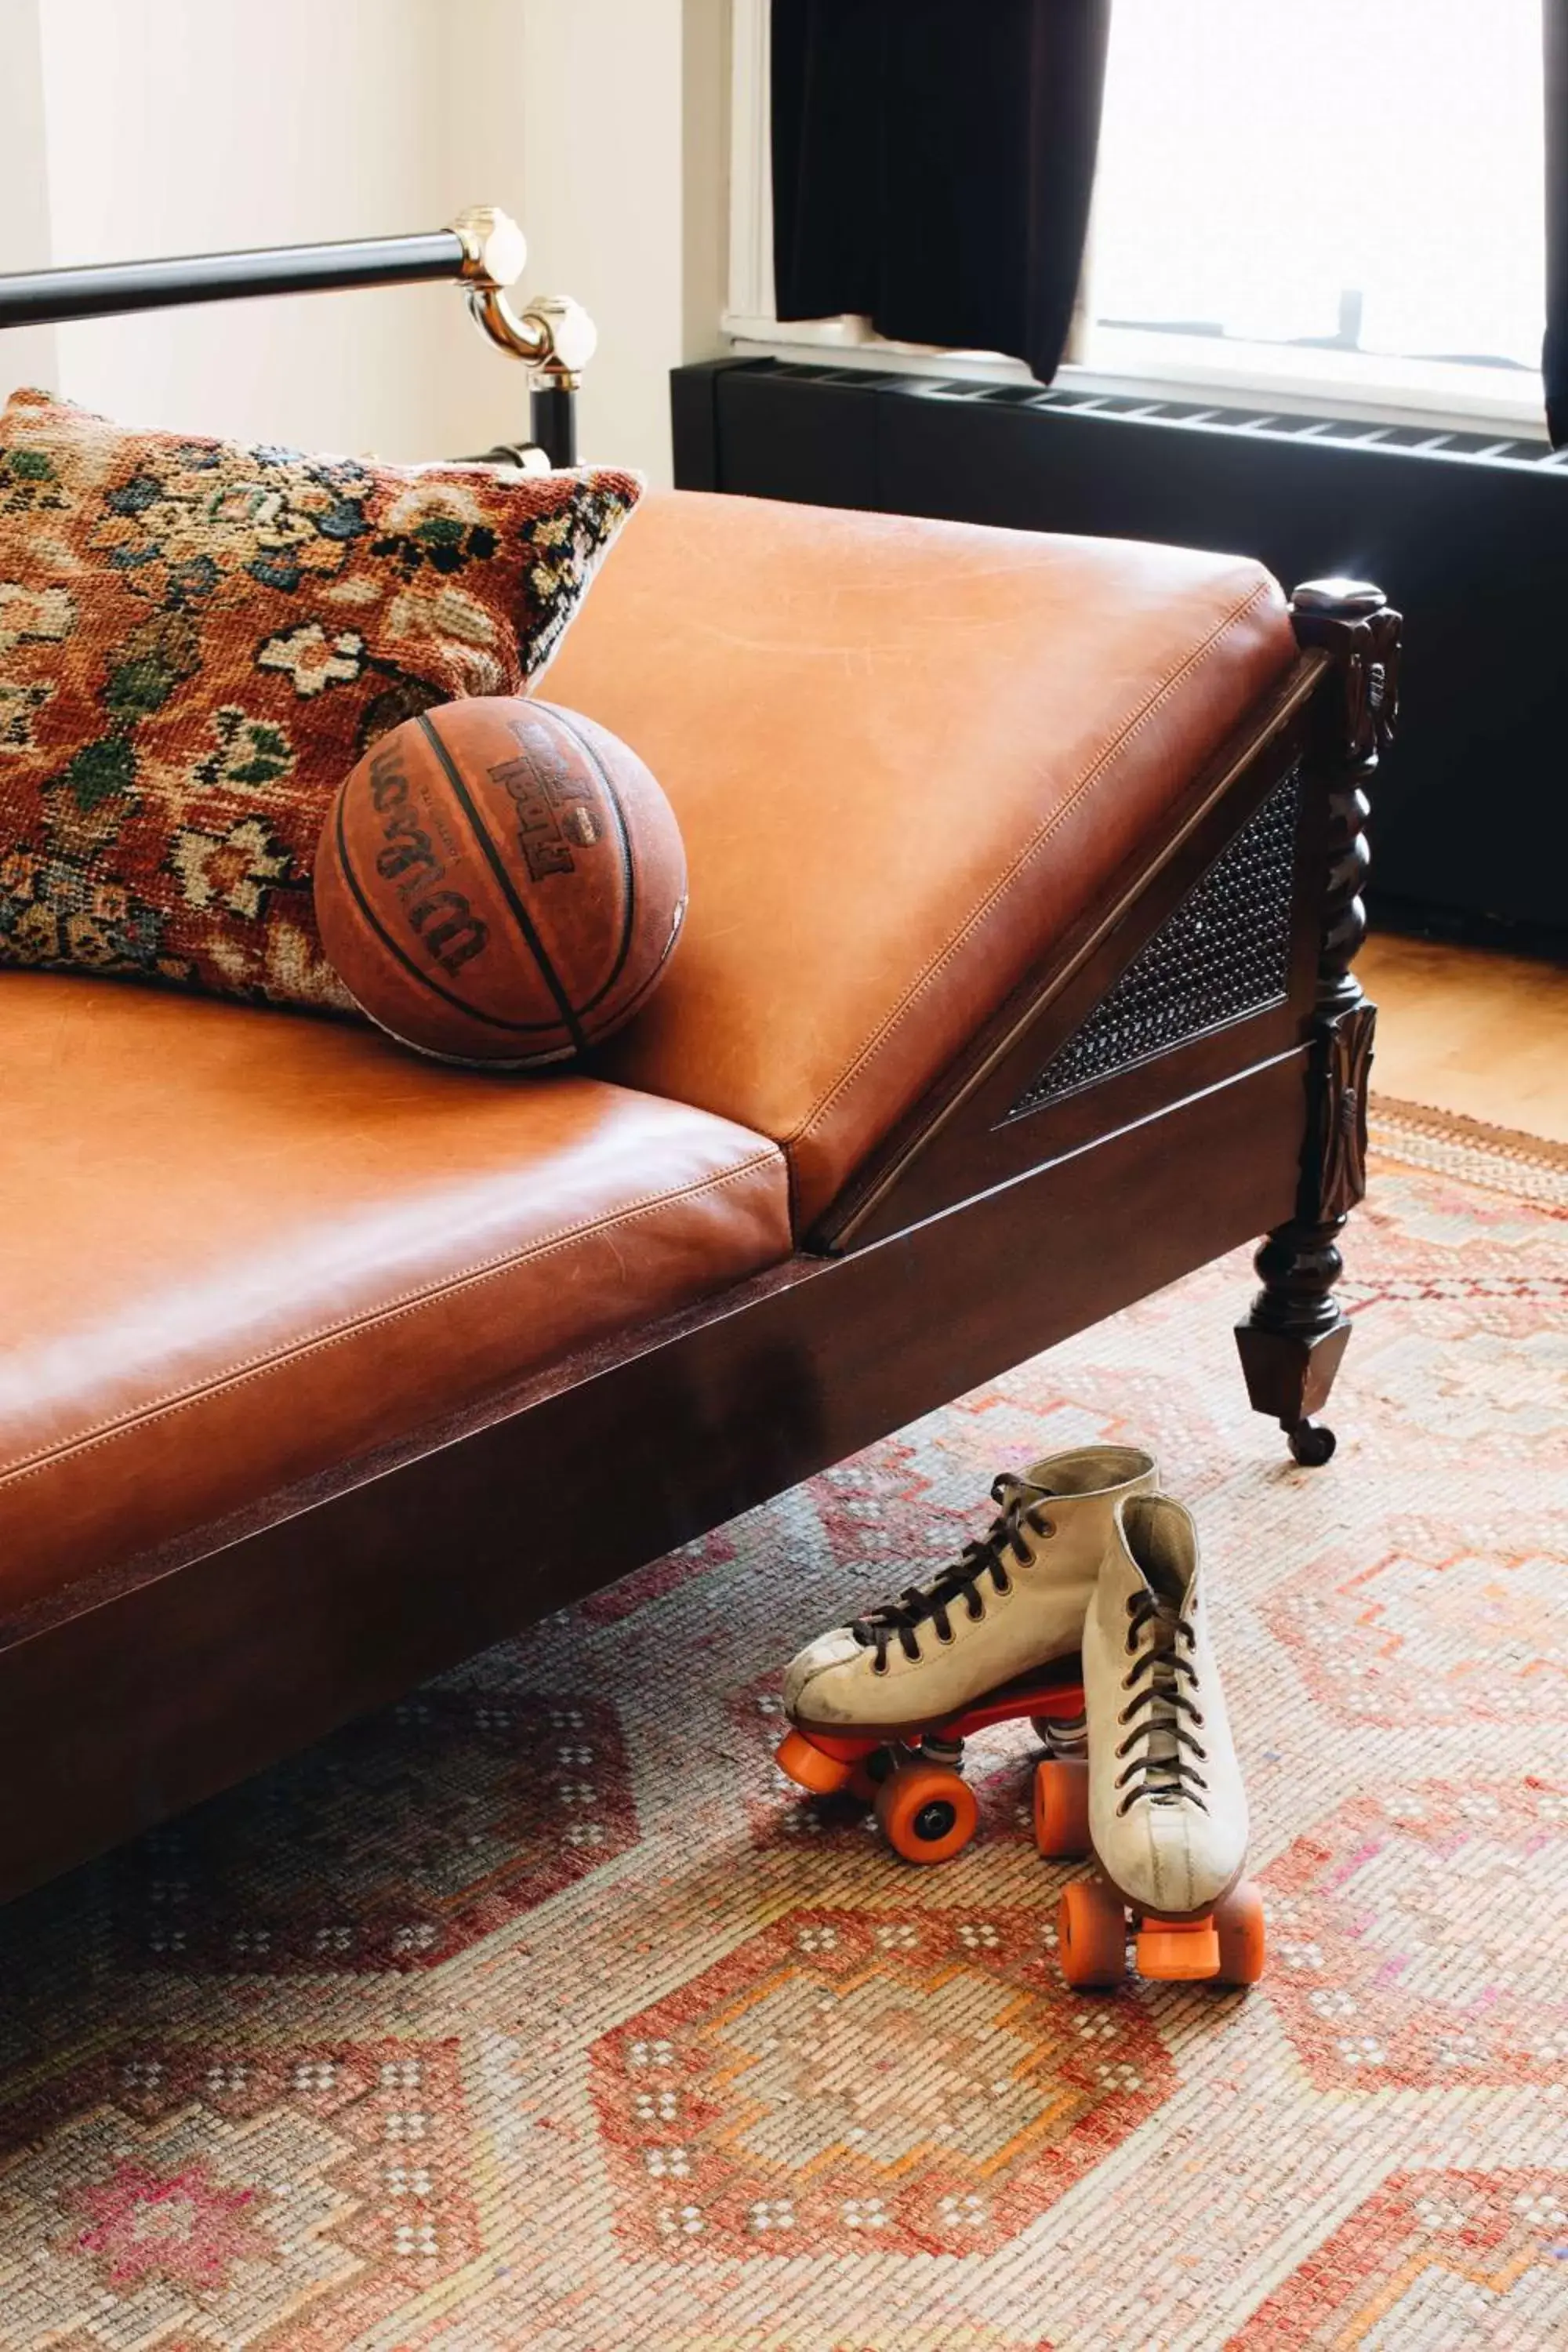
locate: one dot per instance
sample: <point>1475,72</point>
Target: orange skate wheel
<point>805,1763</point>
<point>927,1813</point>
<point>1178,1951</point>
<point>1062,1808</point>
<point>1243,1939</point>
<point>1092,1935</point>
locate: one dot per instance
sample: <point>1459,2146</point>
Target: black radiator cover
<point>1471,830</point>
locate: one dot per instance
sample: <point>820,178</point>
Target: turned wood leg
<point>1292,1340</point>
<point>1297,1331</point>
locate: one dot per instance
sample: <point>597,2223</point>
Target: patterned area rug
<point>538,2013</point>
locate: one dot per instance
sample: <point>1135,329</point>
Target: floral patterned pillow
<point>196,643</point>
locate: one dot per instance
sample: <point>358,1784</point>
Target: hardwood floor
<point>1464,1030</point>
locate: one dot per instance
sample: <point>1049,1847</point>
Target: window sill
<point>1289,381</point>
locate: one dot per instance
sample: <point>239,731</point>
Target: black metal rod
<point>49,296</point>
<point>553,410</point>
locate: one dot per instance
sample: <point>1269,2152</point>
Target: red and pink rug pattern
<point>540,2015</point>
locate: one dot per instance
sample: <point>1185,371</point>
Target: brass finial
<point>494,247</point>
<point>554,336</point>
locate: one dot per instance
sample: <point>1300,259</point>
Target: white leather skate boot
<point>1014,1602</point>
<point>1167,1812</point>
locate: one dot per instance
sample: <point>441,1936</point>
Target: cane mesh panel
<point>1223,953</point>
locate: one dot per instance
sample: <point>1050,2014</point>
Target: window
<point>1330,203</point>
<point>1345,192</point>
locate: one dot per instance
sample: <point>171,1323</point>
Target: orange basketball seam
<point>628,866</point>
<point>492,858</point>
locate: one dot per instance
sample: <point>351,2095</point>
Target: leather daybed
<point>1015,984</point>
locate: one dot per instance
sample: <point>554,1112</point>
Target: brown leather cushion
<point>239,1247</point>
<point>905,755</point>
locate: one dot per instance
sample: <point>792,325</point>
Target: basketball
<point>499,882</point>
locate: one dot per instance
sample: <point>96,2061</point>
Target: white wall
<point>177,128</point>
<point>27,354</point>
<point>707,29</point>
<point>601,92</point>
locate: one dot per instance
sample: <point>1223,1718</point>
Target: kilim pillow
<point>197,641</point>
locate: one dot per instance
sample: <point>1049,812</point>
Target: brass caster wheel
<point>1312,1445</point>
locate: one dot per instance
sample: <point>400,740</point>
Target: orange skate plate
<point>1055,1692</point>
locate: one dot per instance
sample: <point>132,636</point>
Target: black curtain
<point>1554,352</point>
<point>933,166</point>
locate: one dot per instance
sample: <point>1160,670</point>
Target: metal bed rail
<point>483,251</point>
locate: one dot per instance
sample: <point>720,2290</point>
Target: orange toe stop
<point>1175,1951</point>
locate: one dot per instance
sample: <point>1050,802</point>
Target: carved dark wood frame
<point>1293,1341</point>
<point>971,1243</point>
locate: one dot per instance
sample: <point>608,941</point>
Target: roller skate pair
<point>1081,1610</point>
